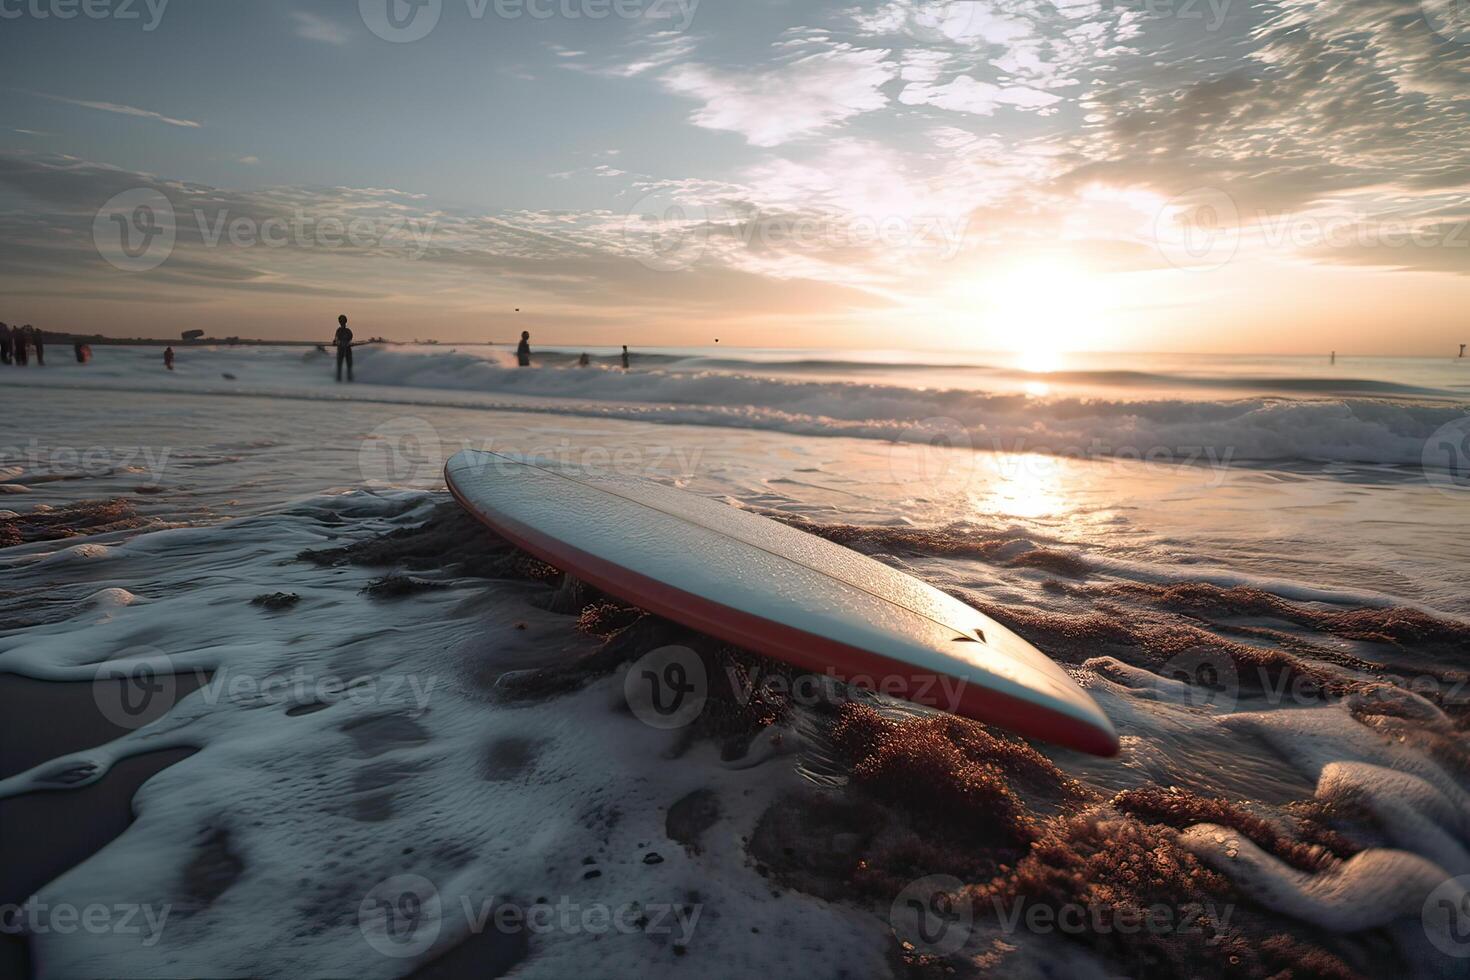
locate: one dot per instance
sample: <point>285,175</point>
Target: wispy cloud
<point>314,27</point>
<point>771,107</point>
<point>123,110</point>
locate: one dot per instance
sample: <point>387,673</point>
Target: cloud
<point>965,94</point>
<point>1358,95</point>
<point>122,110</point>
<point>586,263</point>
<point>249,160</point>
<point>314,27</point>
<point>773,106</point>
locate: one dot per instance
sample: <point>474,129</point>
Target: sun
<point>1039,307</point>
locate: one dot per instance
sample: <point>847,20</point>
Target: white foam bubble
<point>1415,815</point>
<point>1367,891</point>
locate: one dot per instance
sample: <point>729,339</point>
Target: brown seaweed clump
<point>73,520</point>
<point>940,795</point>
<point>606,618</point>
<point>1148,904</point>
<point>1399,626</point>
<point>951,767</point>
<point>1316,848</point>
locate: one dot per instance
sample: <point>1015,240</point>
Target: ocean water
<point>1256,565</point>
<point>1139,406</point>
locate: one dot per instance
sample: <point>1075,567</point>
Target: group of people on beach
<point>523,354</point>
<point>17,344</point>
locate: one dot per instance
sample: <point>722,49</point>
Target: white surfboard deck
<point>767,587</point>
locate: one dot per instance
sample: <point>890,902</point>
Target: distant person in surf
<point>343,342</point>
<point>39,342</point>
<point>585,360</point>
<point>626,358</point>
<point>523,350</point>
<point>5,344</point>
<point>1462,350</point>
<point>21,345</point>
<point>168,358</point>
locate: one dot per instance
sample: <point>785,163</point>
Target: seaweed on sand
<point>73,520</point>
<point>1315,848</point>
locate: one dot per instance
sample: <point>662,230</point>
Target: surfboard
<point>771,588</point>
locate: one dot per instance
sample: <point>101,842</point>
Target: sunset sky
<point>1181,175</point>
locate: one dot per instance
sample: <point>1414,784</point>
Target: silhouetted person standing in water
<point>22,345</point>
<point>168,358</point>
<point>343,343</point>
<point>523,351</point>
<point>39,343</point>
<point>5,344</point>
<point>625,357</point>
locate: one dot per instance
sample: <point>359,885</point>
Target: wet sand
<point>44,834</point>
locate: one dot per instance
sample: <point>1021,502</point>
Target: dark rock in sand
<point>398,587</point>
<point>211,871</point>
<point>375,736</point>
<point>690,817</point>
<point>510,758</point>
